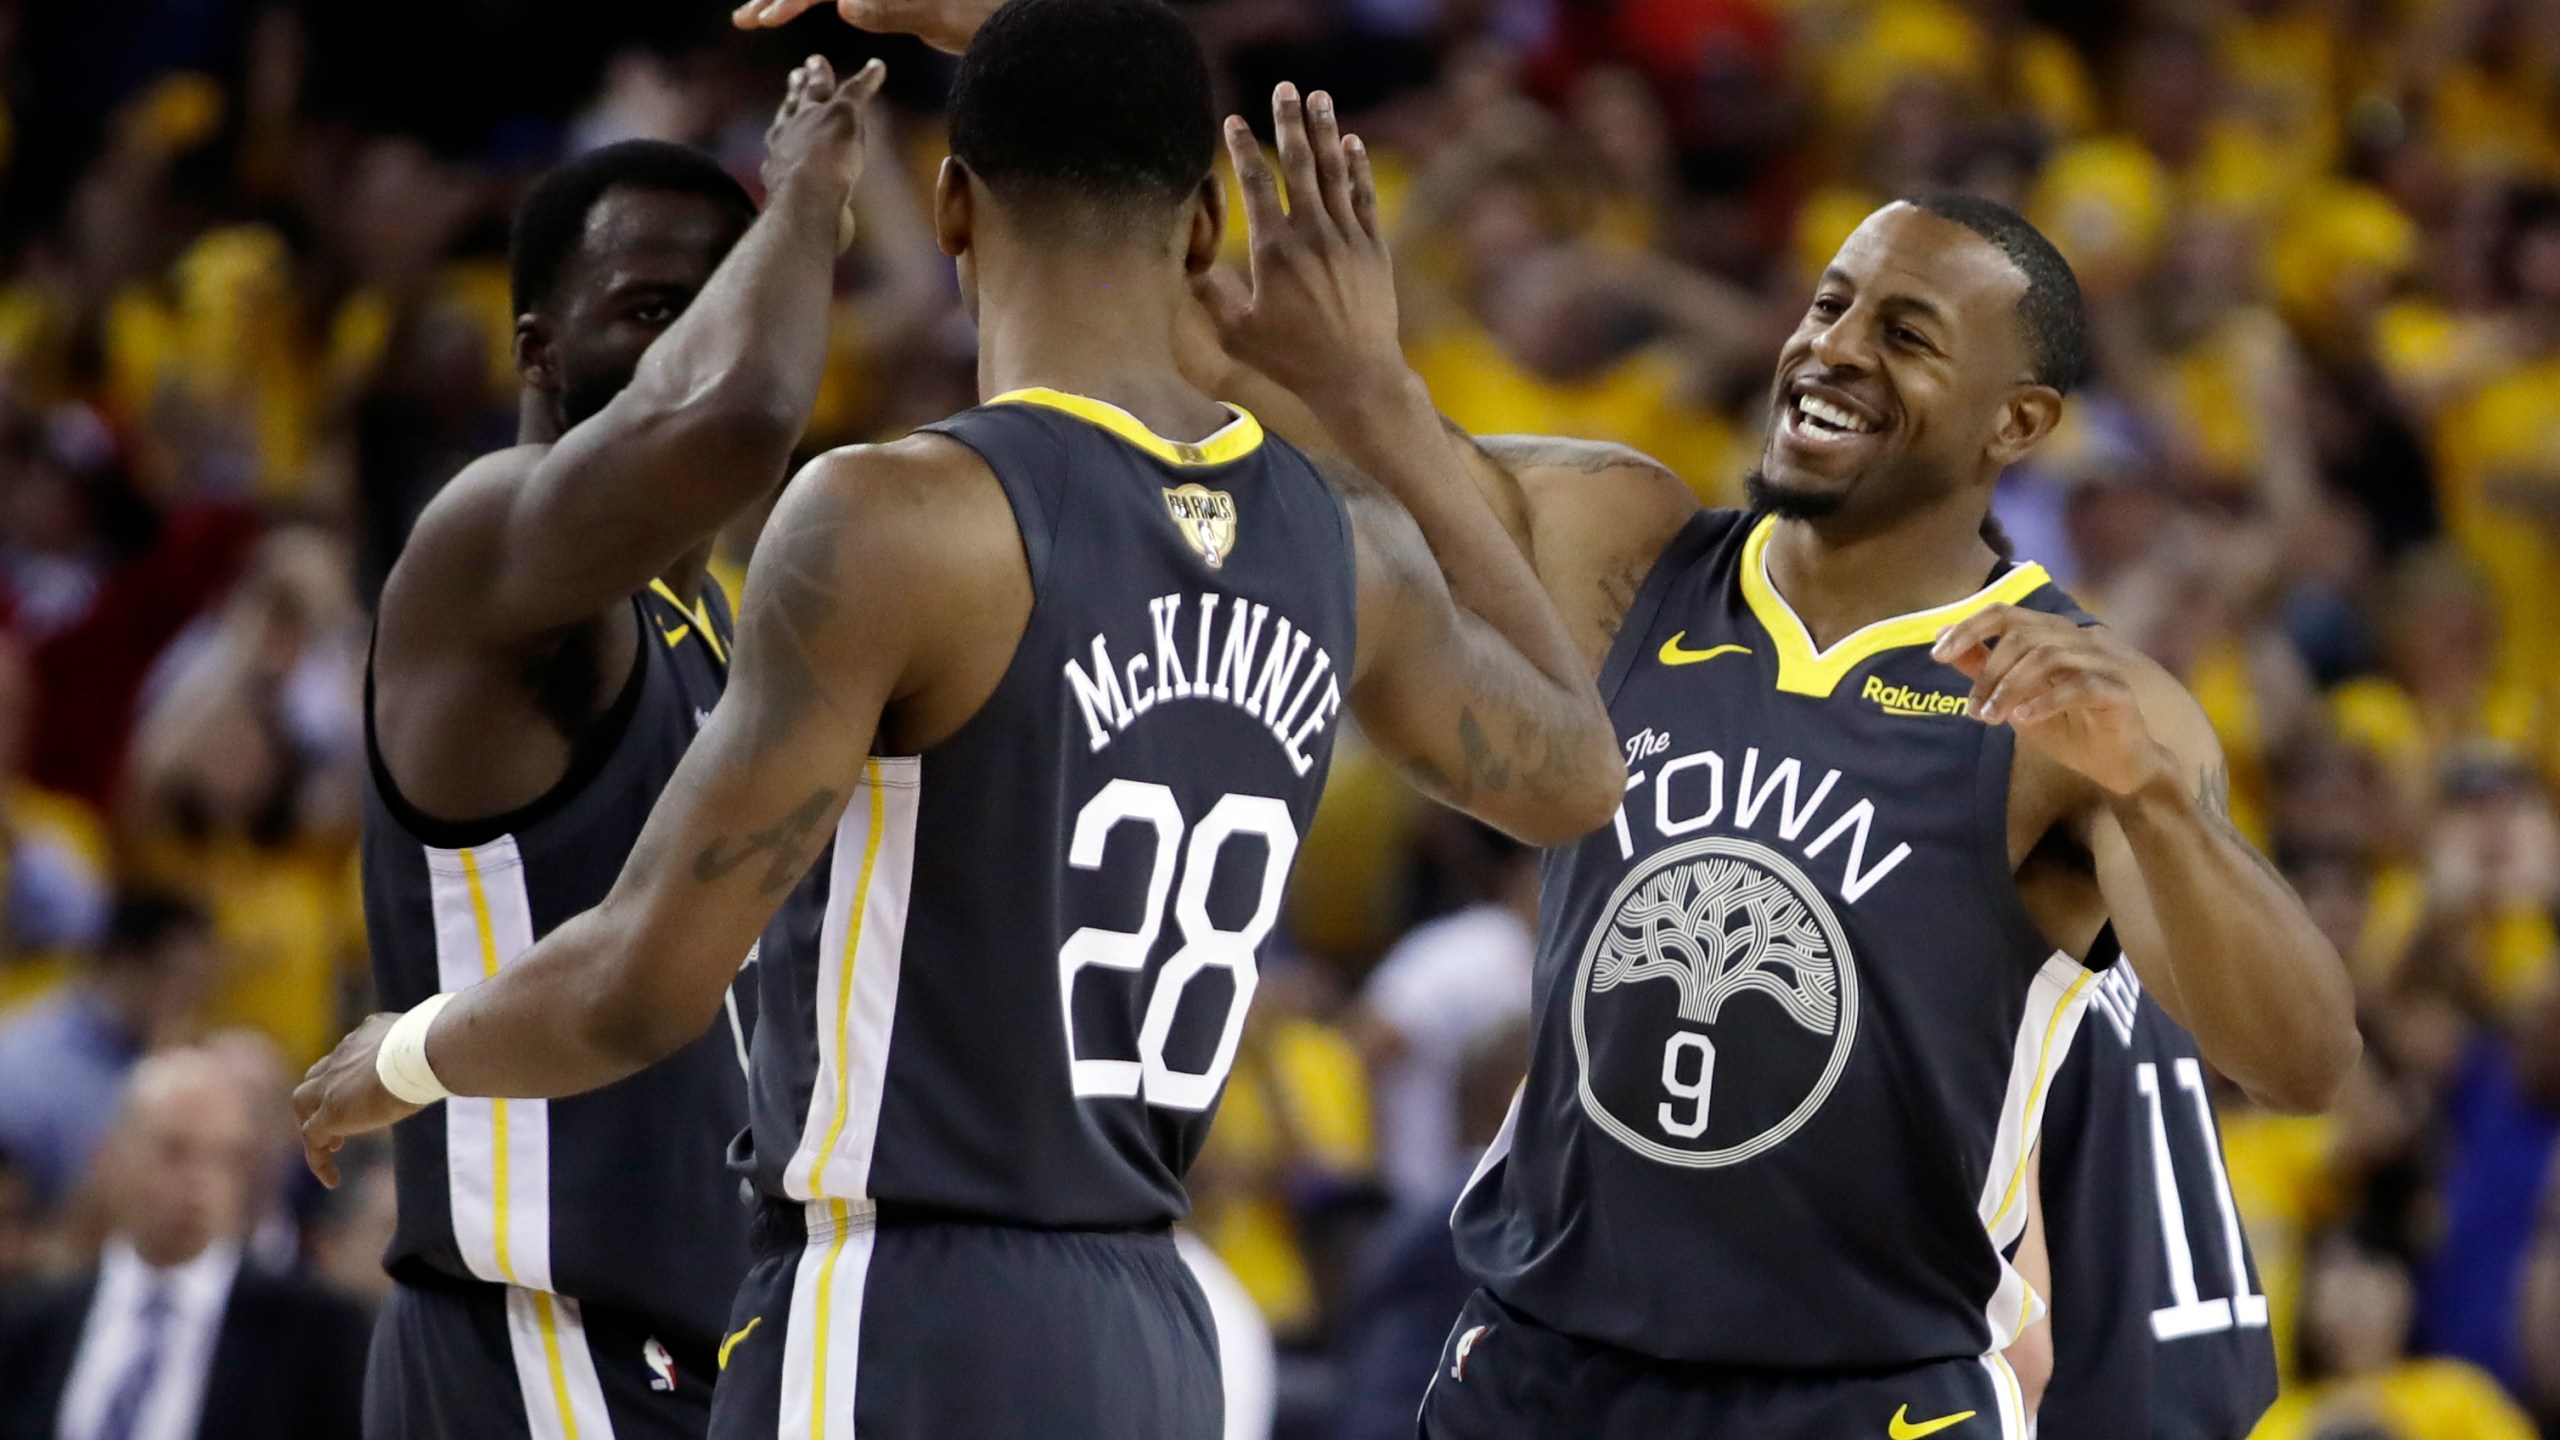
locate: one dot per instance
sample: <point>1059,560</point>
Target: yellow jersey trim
<point>700,610</point>
<point>1233,441</point>
<point>559,1369</point>
<point>2035,1092</point>
<point>497,1106</point>
<point>1803,670</point>
<point>844,1002</point>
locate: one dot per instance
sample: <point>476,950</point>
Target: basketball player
<point>1047,693</point>
<point>1799,1004</point>
<point>2159,1327</point>
<point>548,643</point>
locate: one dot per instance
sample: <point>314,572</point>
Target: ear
<point>537,360</point>
<point>1208,226</point>
<point>953,215</point>
<point>2026,418</point>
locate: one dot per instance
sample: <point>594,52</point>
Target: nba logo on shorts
<point>1466,1347</point>
<point>662,1366</point>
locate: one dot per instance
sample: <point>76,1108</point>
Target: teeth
<point>1831,415</point>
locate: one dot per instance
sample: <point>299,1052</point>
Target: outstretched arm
<point>1466,673</point>
<point>703,430</point>
<point>2211,927</point>
<point>824,643</point>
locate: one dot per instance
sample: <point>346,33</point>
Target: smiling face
<point>641,259</point>
<point>1910,378</point>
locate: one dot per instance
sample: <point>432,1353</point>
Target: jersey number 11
<point>2189,1314</point>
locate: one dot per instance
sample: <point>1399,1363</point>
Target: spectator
<point>1438,995</point>
<point>63,1061</point>
<point>1409,1283</point>
<point>18,1228</point>
<point>171,1336</point>
<point>2355,1357</point>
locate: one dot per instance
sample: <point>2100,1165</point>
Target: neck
<point>1840,576</point>
<point>1090,320</point>
<point>537,418</point>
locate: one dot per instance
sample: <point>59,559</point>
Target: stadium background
<point>253,312</point>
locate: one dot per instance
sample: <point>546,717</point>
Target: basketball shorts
<point>469,1361</point>
<point>1503,1376</point>
<point>934,1330</point>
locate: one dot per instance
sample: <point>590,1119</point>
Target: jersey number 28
<point>1204,944</point>
<point>2188,1313</point>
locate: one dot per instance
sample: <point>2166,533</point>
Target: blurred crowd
<point>253,313</point>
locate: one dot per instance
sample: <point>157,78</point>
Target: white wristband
<point>401,1063</point>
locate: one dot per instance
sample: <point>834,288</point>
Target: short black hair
<point>553,218</point>
<point>144,920</point>
<point>1103,105</point>
<point>2056,324</point>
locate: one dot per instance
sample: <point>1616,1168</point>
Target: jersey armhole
<point>588,755</point>
<point>1696,535</point>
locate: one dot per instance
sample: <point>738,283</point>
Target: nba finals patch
<point>1206,518</point>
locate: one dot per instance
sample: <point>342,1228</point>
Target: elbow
<point>720,425</point>
<point>1580,807</point>
<point>2309,1081</point>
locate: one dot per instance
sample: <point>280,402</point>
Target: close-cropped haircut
<point>1098,107</point>
<point>2050,312</point>
<point>552,219</point>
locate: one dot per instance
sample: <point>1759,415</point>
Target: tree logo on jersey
<point>1716,1004</point>
<point>1206,518</point>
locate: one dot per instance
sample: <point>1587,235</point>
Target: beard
<point>1787,503</point>
<point>583,395</point>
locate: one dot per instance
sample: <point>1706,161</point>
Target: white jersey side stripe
<point>555,1370</point>
<point>860,945</point>
<point>2056,1000</point>
<point>822,1346</point>
<point>497,1152</point>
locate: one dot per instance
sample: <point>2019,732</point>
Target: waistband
<point>780,1226</point>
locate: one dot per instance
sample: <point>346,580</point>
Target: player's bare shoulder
<point>920,532</point>
<point>1595,516</point>
<point>443,565</point>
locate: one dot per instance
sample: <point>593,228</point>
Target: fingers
<point>2078,692</point>
<point>866,82</point>
<point>319,1148</point>
<point>764,14</point>
<point>2022,671</point>
<point>1364,186</point>
<point>1962,644</point>
<point>1297,158</point>
<point>1333,171</point>
<point>1263,216</point>
<point>1223,293</point>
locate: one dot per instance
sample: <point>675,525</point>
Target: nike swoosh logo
<point>1903,1429</point>
<point>1672,654</point>
<point>676,636</point>
<point>732,1343</point>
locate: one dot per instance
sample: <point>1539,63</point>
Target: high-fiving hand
<point>818,135</point>
<point>943,24</point>
<point>2064,688</point>
<point>1319,314</point>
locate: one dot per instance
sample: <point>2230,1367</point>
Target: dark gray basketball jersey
<point>1792,1023</point>
<point>619,1196</point>
<point>1012,988</point>
<point>2159,1327</point>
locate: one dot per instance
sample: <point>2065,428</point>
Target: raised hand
<point>2063,687</point>
<point>943,24</point>
<point>1319,314</point>
<point>817,136</point>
